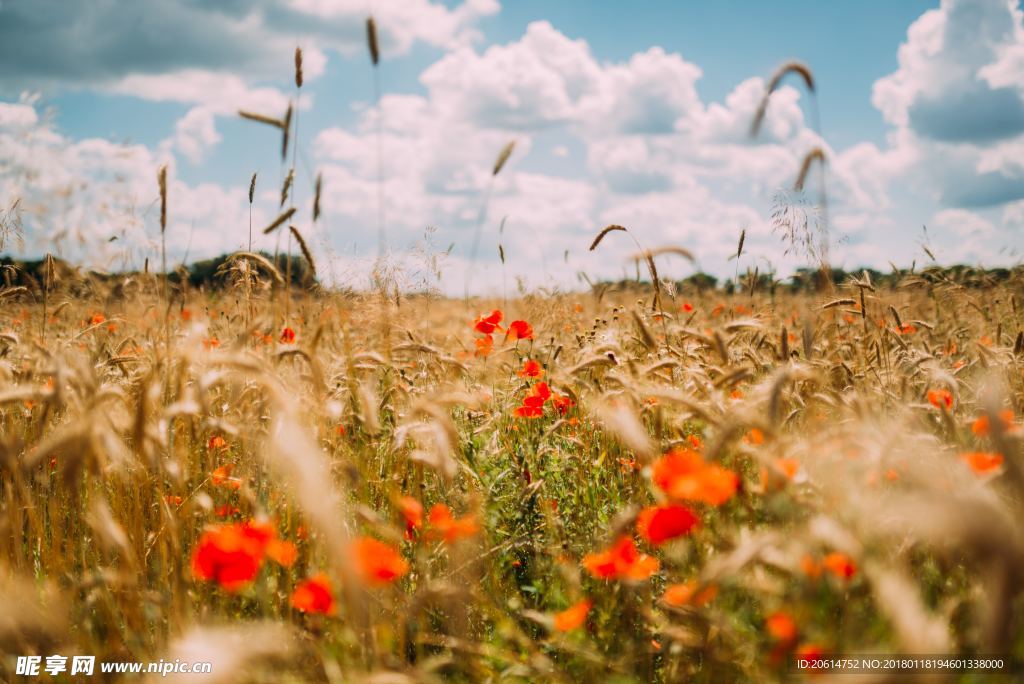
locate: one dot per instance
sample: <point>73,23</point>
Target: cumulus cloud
<point>957,101</point>
<point>655,156</point>
<point>658,158</point>
<point>88,43</point>
<point>195,134</point>
<point>96,201</point>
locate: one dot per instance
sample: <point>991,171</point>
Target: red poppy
<point>173,500</point>
<point>840,565</point>
<point>687,593</point>
<point>621,561</point>
<point>526,411</point>
<point>484,346</point>
<point>533,403</point>
<point>940,398</point>
<point>226,511</point>
<point>521,330</point>
<point>683,474</point>
<point>530,369</point>
<point>658,524</point>
<point>781,627</point>
<point>488,323</point>
<point>789,467</point>
<point>687,307</point>
<point>282,552</point>
<point>981,425</point>
<point>217,442</point>
<point>377,563</point>
<point>443,525</point>
<point>314,595</point>
<point>231,555</point>
<point>287,335</point>
<point>412,513</point>
<point>573,617</point>
<point>812,652</point>
<point>562,403</point>
<point>982,462</point>
<point>221,477</point>
<point>810,567</point>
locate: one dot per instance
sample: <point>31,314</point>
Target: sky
<point>636,114</point>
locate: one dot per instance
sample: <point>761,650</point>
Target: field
<point>617,486</point>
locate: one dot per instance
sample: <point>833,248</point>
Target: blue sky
<point>629,113</point>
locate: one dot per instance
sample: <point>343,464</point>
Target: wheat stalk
<point>305,249</point>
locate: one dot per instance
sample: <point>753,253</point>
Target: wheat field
<point>641,482</point>
<point>560,488</point>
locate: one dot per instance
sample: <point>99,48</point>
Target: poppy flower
<point>810,567</point>
<point>484,346</point>
<point>412,513</point>
<point>658,524</point>
<point>526,411</point>
<point>488,323</point>
<point>314,595</point>
<point>982,427</point>
<point>982,462</point>
<point>221,477</point>
<point>940,398</point>
<point>562,403</point>
<point>687,307</point>
<point>622,561</point>
<point>443,525</point>
<point>530,369</point>
<point>686,593</point>
<point>840,565</point>
<point>683,474</point>
<point>217,442</point>
<point>226,511</point>
<point>533,403</point>
<point>173,500</point>
<point>97,319</point>
<point>377,563</point>
<point>231,555</point>
<point>781,627</point>
<point>521,330</point>
<point>812,652</point>
<point>788,466</point>
<point>287,335</point>
<point>282,552</point>
<point>573,617</point>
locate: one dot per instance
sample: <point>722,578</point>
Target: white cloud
<point>195,134</point>
<point>48,42</point>
<point>655,157</point>
<point>17,116</point>
<point>957,101</point>
<point>223,93</point>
